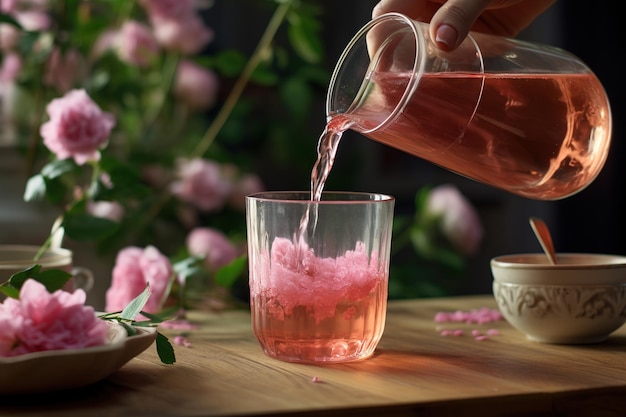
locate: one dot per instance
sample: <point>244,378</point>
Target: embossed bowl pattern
<point>578,301</point>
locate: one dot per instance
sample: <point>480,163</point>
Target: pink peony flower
<point>213,244</point>
<point>7,6</point>
<point>136,45</point>
<point>246,185</point>
<point>10,67</point>
<point>168,9</point>
<point>187,36</point>
<point>195,85</point>
<point>459,221</point>
<point>111,210</point>
<point>77,127</point>
<point>9,36</point>
<point>63,70</point>
<point>202,184</point>
<point>105,42</point>
<point>41,321</point>
<point>34,20</point>
<point>134,268</point>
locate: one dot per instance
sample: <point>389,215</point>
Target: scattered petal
<point>182,341</point>
<point>478,316</point>
<point>179,325</point>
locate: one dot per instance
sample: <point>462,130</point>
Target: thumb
<point>452,22</point>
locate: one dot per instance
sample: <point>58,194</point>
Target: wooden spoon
<point>545,239</point>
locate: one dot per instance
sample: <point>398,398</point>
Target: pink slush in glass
<point>319,273</point>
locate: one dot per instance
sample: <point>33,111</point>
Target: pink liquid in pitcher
<point>536,135</point>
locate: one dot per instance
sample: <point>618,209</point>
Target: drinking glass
<point>319,273</point>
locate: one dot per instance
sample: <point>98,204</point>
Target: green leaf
<point>153,319</point>
<point>421,197</point>
<point>189,267</point>
<point>298,96</point>
<point>165,349</point>
<point>5,18</point>
<point>132,310</point>
<point>35,188</point>
<point>16,280</point>
<point>304,38</point>
<point>126,181</point>
<point>57,168</point>
<point>84,227</point>
<point>264,75</point>
<point>228,274</point>
<point>229,63</point>
<point>9,291</point>
<point>52,279</point>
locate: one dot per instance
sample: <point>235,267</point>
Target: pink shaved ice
<point>296,277</point>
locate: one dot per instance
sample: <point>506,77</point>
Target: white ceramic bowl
<point>580,300</point>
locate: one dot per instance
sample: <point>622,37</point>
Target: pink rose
<point>7,6</point>
<point>9,36</point>
<point>111,210</point>
<point>168,9</point>
<point>213,244</point>
<point>136,45</point>
<point>63,70</point>
<point>10,67</point>
<point>195,85</point>
<point>459,220</point>
<point>134,268</point>
<point>34,20</point>
<point>41,321</point>
<point>77,127</point>
<point>187,36</point>
<point>105,42</point>
<point>202,183</point>
<point>246,185</point>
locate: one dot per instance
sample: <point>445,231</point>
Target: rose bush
<point>445,232</point>
<point>121,111</point>
<point>140,132</point>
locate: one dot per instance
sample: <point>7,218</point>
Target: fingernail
<point>447,36</point>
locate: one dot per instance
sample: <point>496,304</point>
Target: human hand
<point>451,20</point>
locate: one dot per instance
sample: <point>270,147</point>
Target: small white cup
<point>16,258</point>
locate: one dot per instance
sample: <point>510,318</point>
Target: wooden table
<point>415,372</point>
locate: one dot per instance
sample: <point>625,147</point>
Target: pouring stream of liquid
<point>545,239</point>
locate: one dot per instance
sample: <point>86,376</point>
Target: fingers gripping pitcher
<point>530,119</point>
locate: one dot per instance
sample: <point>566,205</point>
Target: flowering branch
<point>232,99</point>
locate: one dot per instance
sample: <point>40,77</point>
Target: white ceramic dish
<point>72,368</point>
<point>580,300</point>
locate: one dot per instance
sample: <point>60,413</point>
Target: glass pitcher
<point>527,118</point>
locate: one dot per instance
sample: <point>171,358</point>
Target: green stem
<point>242,81</point>
<point>217,124</point>
<point>169,72</point>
